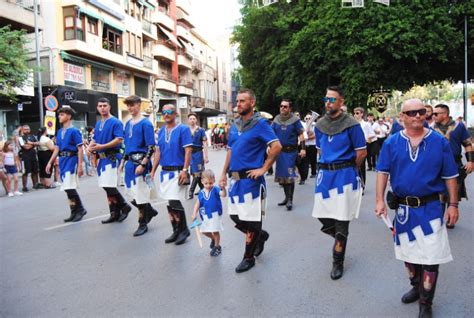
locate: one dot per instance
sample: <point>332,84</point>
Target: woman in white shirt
<point>45,150</point>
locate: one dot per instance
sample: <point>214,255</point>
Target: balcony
<point>162,50</point>
<point>183,32</point>
<point>160,16</point>
<point>165,82</point>
<point>148,62</point>
<point>183,16</point>
<point>149,30</point>
<point>19,13</point>
<point>197,101</point>
<point>196,66</point>
<point>184,61</point>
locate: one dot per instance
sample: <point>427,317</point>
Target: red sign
<point>51,103</point>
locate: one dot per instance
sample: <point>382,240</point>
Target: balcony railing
<point>166,43</point>
<point>198,102</point>
<point>146,25</point>
<point>27,4</point>
<point>197,66</point>
<point>186,82</point>
<point>166,76</point>
<point>148,62</point>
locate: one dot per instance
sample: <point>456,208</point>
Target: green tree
<point>297,49</point>
<point>14,70</point>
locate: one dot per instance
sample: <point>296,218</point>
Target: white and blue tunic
<point>338,193</point>
<point>210,210</point>
<point>69,139</point>
<point>137,138</point>
<point>247,196</point>
<point>285,171</point>
<point>107,169</point>
<point>197,157</point>
<point>420,233</point>
<point>172,146</point>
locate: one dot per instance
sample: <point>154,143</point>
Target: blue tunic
<point>456,137</point>
<point>104,133</point>
<point>137,138</point>
<point>286,161</point>
<point>213,204</point>
<point>197,158</point>
<point>428,165</point>
<point>68,140</point>
<point>247,152</point>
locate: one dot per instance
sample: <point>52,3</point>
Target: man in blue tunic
<point>199,155</point>
<point>105,146</point>
<point>69,148</point>
<point>139,140</point>
<point>249,138</point>
<point>420,236</point>
<point>288,129</point>
<point>174,155</point>
<point>458,136</point>
<point>338,194</point>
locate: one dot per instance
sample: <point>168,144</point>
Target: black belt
<point>336,166</point>
<point>68,153</point>
<point>289,148</point>
<point>136,157</point>
<point>196,149</point>
<point>111,154</point>
<point>416,202</point>
<point>172,168</point>
<point>237,175</point>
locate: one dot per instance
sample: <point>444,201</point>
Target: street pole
<point>465,68</point>
<point>38,65</point>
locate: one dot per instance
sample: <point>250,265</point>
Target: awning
<point>206,111</point>
<point>170,36</point>
<point>84,61</point>
<point>90,14</point>
<point>146,4</point>
<point>189,48</point>
<point>113,25</point>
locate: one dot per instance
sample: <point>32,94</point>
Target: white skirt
<point>169,186</point>
<point>109,177</point>
<point>213,224</point>
<point>141,191</point>
<point>70,181</point>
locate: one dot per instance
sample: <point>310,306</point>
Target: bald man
<point>421,240</point>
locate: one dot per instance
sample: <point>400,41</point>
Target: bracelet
<point>185,169</point>
<point>454,204</point>
<point>470,156</point>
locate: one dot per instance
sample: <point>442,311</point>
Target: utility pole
<point>465,69</point>
<point>38,65</point>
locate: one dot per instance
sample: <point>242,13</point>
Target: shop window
<point>92,26</point>
<point>100,79</point>
<point>141,87</point>
<point>73,24</point>
<point>112,40</point>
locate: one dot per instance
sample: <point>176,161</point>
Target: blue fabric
<point>210,205</point>
<point>71,140</point>
<point>139,136</point>
<point>340,147</point>
<point>111,129</point>
<point>419,174</point>
<point>248,148</point>
<point>288,136</point>
<point>456,137</point>
<point>172,150</point>
<point>197,158</point>
<point>242,187</point>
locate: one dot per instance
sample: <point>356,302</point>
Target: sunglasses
<point>168,112</point>
<point>436,114</point>
<point>307,118</point>
<point>412,113</point>
<point>357,113</point>
<point>284,106</point>
<point>329,99</point>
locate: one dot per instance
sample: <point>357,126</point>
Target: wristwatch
<point>185,169</point>
<point>143,165</point>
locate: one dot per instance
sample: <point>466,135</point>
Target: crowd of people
<point>338,146</point>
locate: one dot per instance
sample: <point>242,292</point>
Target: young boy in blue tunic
<point>458,136</point>
<point>199,155</point>
<point>209,207</point>
<point>289,130</point>
<point>174,155</point>
<point>249,138</point>
<point>69,148</point>
<point>139,140</point>
<point>421,166</point>
<point>106,144</point>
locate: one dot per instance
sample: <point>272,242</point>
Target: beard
<point>333,111</point>
<point>429,117</point>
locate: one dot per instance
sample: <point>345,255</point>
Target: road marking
<point>87,220</point>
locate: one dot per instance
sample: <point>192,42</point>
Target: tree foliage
<point>14,71</point>
<point>297,49</point>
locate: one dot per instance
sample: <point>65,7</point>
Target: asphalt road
<point>52,269</point>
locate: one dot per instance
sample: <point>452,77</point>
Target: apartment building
<point>115,48</point>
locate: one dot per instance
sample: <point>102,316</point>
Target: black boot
<point>192,187</point>
<point>338,253</point>
<point>172,238</point>
<point>427,290</point>
<point>79,210</point>
<point>291,191</point>
<point>285,188</point>
<point>124,211</point>
<point>114,211</point>
<point>142,228</point>
<point>201,186</point>
<point>249,259</point>
<point>183,231</point>
<point>72,205</point>
<point>150,213</point>
<point>262,238</point>
<point>414,272</point>
<point>329,226</point>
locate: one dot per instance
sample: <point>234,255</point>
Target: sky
<point>213,18</point>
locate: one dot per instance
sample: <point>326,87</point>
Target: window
<point>73,25</point>
<point>92,26</point>
<point>224,78</point>
<point>224,96</point>
<point>112,40</point>
<point>141,87</point>
<point>138,50</point>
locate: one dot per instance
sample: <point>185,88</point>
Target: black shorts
<point>31,165</point>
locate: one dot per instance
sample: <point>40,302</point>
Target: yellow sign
<point>50,124</point>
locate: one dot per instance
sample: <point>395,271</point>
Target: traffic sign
<point>51,103</point>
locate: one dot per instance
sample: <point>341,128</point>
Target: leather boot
<point>291,190</point>
<point>124,211</point>
<point>142,228</point>
<point>249,259</point>
<point>262,238</point>
<point>150,213</point>
<point>427,290</point>
<point>72,205</point>
<point>183,231</point>
<point>79,210</point>
<point>338,254</point>
<point>192,187</point>
<point>285,188</point>
<point>328,227</point>
<point>114,211</point>
<point>414,272</point>
<point>172,238</point>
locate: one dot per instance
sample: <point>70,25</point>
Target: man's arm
<point>156,162</point>
<point>380,186</point>
<point>51,160</point>
<point>360,156</point>
<point>274,150</point>
<point>223,180</point>
<point>111,144</point>
<point>80,159</point>
<point>469,156</point>
<point>183,175</point>
<point>303,145</point>
<point>452,214</point>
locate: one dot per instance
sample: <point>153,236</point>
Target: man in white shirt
<point>369,135</point>
<point>372,144</point>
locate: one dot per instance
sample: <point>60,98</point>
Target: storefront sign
<point>74,73</point>
<point>100,79</point>
<point>122,81</point>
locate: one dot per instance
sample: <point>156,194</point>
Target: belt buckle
<point>136,156</point>
<point>332,166</point>
<point>418,201</point>
<point>235,175</point>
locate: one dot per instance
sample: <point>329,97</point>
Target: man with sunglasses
<point>139,141</point>
<point>338,193</point>
<point>249,138</point>
<point>458,136</point>
<point>289,130</point>
<point>175,145</point>
<point>420,165</point>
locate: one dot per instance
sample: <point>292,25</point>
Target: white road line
<point>87,220</point>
